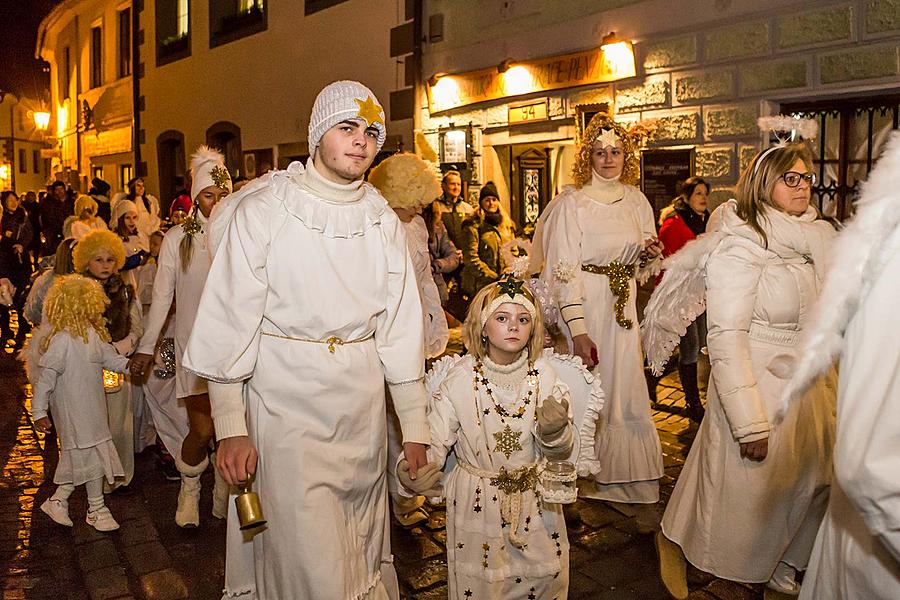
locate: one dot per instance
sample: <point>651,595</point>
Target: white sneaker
<point>101,520</point>
<point>58,510</point>
<point>220,497</point>
<point>784,580</point>
<point>188,512</point>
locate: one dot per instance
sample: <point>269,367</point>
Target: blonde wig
<point>405,181</point>
<point>631,173</point>
<point>76,304</point>
<point>472,330</point>
<point>754,189</point>
<point>85,203</point>
<point>99,239</point>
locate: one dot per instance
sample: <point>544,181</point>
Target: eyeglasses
<point>792,179</point>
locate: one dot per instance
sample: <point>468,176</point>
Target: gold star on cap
<point>511,286</point>
<point>370,111</point>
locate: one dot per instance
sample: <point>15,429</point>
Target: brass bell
<point>249,509</point>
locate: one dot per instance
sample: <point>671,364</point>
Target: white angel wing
<point>678,299</point>
<point>586,402</point>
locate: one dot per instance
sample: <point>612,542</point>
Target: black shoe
<point>168,470</point>
<point>688,375</point>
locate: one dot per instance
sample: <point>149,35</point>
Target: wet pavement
<point>149,557</point>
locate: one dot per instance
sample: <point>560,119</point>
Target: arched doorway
<point>226,136</point>
<point>171,166</point>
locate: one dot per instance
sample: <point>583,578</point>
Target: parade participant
<point>100,193</point>
<point>483,234</point>
<point>503,540</point>
<point>183,266</point>
<point>681,222</point>
<point>857,550</point>
<point>445,258</point>
<point>136,243</point>
<point>53,209</point>
<point>753,491</point>
<point>180,209</point>
<point>100,255</point>
<point>70,386</point>
<point>406,182</point>
<point>62,265</point>
<point>594,242</point>
<point>146,205</point>
<point>85,219</point>
<point>310,307</point>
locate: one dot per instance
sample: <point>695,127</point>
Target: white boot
<point>188,512</point>
<point>220,493</point>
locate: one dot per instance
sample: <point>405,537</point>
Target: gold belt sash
<point>620,276</point>
<point>330,342</point>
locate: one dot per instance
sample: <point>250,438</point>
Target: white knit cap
<point>345,101</point>
<point>208,169</point>
<point>120,208</point>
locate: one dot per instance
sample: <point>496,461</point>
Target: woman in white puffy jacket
<point>753,491</point>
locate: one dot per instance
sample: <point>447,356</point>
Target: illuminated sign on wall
<point>610,63</point>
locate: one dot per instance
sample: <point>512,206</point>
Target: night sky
<point>20,73</point>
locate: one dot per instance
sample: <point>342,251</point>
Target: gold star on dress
<point>371,112</point>
<point>507,441</point>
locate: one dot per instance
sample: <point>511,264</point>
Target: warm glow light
<point>619,58</point>
<point>4,172</point>
<point>456,135</point>
<point>62,120</point>
<point>42,120</point>
<point>517,80</point>
<point>445,92</point>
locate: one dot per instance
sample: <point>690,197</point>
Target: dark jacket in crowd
<point>444,259</point>
<point>53,215</point>
<point>16,230</point>
<point>482,259</point>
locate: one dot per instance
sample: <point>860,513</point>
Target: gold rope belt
<point>620,277</point>
<point>331,342</point>
<point>511,485</point>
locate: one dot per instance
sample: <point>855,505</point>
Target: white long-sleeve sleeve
<point>562,261</point>
<point>163,291</point>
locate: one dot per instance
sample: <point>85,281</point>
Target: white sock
<point>63,491</point>
<point>94,489</point>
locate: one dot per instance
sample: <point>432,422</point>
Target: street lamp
<point>41,119</point>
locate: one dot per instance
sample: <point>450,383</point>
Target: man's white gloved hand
<point>552,416</point>
<point>426,483</point>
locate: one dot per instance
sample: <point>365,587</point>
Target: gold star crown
<point>511,286</point>
<point>220,177</point>
<point>370,111</point>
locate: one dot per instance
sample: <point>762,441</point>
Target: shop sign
<point>662,173</point>
<point>519,78</point>
<point>528,112</point>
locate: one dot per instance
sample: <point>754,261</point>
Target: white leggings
<point>94,489</point>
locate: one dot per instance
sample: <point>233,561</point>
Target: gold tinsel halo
<point>76,304</point>
<point>631,173</point>
<point>99,239</point>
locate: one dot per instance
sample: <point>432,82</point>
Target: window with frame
<point>96,56</point>
<point>231,20</point>
<point>23,166</point>
<point>173,30</point>
<point>65,73</point>
<point>36,161</point>
<point>126,172</point>
<point>124,55</point>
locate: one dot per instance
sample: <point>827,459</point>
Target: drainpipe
<point>136,6</point>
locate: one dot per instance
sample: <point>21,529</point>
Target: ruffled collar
<point>335,210</point>
<point>507,377</point>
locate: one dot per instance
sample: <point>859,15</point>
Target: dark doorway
<point>226,136</point>
<point>171,166</point>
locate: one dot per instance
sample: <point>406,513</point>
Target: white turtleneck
<point>327,190</point>
<point>507,377</point>
<point>603,190</point>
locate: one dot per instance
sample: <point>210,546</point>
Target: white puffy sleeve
<point>866,460</point>
<point>224,342</point>
<point>732,277</point>
<point>561,240</point>
<point>53,364</point>
<point>163,291</point>
<point>400,337</point>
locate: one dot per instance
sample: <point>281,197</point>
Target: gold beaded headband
<point>513,291</point>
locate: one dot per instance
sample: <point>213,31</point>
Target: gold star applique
<point>369,111</point>
<point>507,441</point>
<point>607,137</point>
<point>219,175</point>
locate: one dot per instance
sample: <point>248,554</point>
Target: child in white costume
<point>183,266</point>
<point>501,409</point>
<point>70,385</point>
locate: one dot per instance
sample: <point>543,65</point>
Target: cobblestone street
<point>150,557</point>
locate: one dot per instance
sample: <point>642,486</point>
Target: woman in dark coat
<point>14,262</point>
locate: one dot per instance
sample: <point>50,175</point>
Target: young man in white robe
<point>857,549</point>
<point>311,305</point>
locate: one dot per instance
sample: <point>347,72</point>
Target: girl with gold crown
<point>595,242</point>
<point>100,256</point>
<point>502,410</point>
<point>70,386</point>
<point>183,265</point>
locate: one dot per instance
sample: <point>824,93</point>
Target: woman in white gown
<point>752,493</point>
<point>598,240</point>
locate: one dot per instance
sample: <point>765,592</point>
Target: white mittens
<point>552,416</point>
<point>427,483</point>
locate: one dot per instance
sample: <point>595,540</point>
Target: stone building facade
<point>705,70</point>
